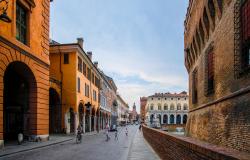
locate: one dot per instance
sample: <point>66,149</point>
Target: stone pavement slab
<point>141,150</point>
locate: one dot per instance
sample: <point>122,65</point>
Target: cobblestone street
<point>93,147</point>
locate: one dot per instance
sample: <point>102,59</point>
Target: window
<point>89,74</point>
<point>185,107</point>
<point>66,58</point>
<point>210,72</point>
<point>201,32</point>
<point>211,10</point>
<point>86,90</point>
<point>165,107</point>
<point>245,55</point>
<point>79,64</point>
<point>172,106</point>
<point>94,95</point>
<point>220,4</point>
<point>194,86</point>
<point>152,107</point>
<point>178,106</point>
<point>84,69</point>
<point>93,78</point>
<point>206,22</point>
<point>78,84</point>
<point>21,24</point>
<point>159,107</point>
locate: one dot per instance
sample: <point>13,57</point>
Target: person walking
<point>107,132</point>
<point>116,135</point>
<point>126,131</point>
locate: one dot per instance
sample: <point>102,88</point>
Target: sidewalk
<point>13,148</point>
<point>140,149</point>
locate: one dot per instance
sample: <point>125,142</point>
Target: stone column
<point>83,126</point>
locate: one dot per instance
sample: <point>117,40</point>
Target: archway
<point>81,114</point>
<point>165,119</point>
<point>55,112</point>
<point>184,119</point>
<point>93,120</point>
<point>178,119</point>
<point>19,101</point>
<point>171,119</point>
<point>87,117</point>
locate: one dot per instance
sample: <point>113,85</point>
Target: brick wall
<point>222,117</point>
<point>170,147</point>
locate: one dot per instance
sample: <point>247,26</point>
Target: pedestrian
<point>116,135</point>
<point>126,131</point>
<point>107,132</point>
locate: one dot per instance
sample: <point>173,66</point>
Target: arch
<point>172,106</point>
<point>81,113</point>
<point>178,119</point>
<point>165,106</point>
<point>151,118</point>
<point>184,119</point>
<point>178,106</point>
<point>19,101</point>
<point>87,119</point>
<point>165,119</point>
<point>171,119</point>
<point>55,112</point>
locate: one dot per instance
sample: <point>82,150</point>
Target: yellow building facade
<point>75,80</point>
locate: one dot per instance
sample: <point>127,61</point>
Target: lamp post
<point>3,8</point>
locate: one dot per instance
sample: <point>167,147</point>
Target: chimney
<point>80,42</point>
<point>96,64</point>
<point>89,54</point>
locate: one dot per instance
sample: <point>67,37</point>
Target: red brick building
<point>217,58</point>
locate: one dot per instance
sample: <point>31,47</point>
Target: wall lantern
<point>3,8</point>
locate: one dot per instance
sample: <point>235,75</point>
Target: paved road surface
<point>93,147</point>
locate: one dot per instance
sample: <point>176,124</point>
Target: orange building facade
<point>24,70</point>
<point>75,80</point>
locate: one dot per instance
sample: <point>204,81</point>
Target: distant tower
<point>134,113</point>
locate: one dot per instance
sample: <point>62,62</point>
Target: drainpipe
<point>61,74</point>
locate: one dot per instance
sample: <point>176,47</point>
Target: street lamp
<point>3,16</point>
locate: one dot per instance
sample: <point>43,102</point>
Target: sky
<point>139,43</point>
